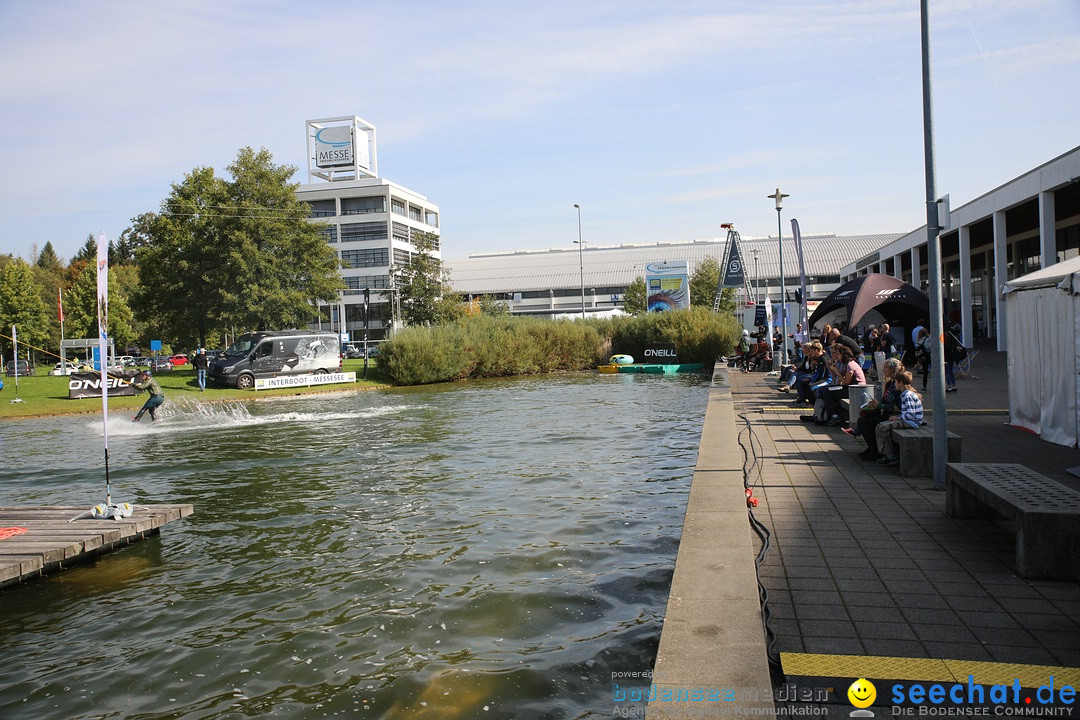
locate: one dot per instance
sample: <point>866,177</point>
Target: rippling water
<point>492,549</point>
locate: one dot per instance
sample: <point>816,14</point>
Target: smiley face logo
<point>862,693</point>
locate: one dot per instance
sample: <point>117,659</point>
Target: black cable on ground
<point>751,459</point>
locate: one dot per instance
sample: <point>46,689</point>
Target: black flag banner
<point>734,272</point>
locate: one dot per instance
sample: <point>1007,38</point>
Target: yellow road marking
<point>926,670</point>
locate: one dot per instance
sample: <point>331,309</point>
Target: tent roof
<point>891,297</point>
<point>1065,275</point>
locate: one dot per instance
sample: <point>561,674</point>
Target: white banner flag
<point>103,325</point>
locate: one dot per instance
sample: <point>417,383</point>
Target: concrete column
<point>916,269</point>
<point>1001,276</point>
<point>1047,229</point>
<point>965,285</point>
<point>898,266</point>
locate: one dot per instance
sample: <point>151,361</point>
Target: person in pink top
<point>845,371</point>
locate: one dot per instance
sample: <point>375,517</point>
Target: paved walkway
<point>865,562</point>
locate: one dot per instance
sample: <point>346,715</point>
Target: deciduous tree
<point>237,252</point>
<point>21,304</point>
<point>425,294</point>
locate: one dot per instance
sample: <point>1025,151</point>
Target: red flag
<point>60,304</point>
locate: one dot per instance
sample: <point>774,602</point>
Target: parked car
<point>161,363</point>
<point>64,368</point>
<point>24,369</point>
<point>179,359</point>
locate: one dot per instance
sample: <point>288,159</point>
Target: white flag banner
<point>103,326</point>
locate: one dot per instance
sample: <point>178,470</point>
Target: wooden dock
<point>35,541</point>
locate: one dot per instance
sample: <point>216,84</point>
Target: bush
<point>699,334</point>
<point>495,346</point>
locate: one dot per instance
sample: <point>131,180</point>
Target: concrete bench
<point>1046,513</point>
<point>915,448</point>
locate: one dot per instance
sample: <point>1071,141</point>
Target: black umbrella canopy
<point>897,301</point>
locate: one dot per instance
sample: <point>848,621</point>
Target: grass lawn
<point>45,394</point>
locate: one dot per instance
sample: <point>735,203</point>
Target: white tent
<point>1042,315</point>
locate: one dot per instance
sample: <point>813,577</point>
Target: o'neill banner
<point>88,385</point>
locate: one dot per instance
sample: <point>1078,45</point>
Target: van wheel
<point>320,371</point>
<point>246,381</point>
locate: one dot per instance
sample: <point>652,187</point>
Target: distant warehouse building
<point>371,221</point>
<point>548,282</point>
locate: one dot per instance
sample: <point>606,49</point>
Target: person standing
<point>143,381</point>
<point>200,364</point>
<point>800,338</point>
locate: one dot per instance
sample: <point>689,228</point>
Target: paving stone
<point>894,648</point>
<point>887,630</point>
<point>1013,637</point>
<point>925,616</point>
<point>1026,655</point>
<point>957,651</point>
<point>944,633</point>
<point>833,645</point>
<point>821,612</point>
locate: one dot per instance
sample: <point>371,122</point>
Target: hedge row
<point>486,346</point>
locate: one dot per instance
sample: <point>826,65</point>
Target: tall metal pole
<point>757,285</point>
<point>933,236</point>
<point>581,259</point>
<point>779,198</point>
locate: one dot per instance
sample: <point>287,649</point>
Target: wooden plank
<point>53,539</point>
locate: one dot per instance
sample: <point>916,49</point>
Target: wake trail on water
<point>189,416</point>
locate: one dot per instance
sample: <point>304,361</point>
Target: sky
<point>661,119</point>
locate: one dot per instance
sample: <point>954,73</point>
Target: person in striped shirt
<point>911,416</point>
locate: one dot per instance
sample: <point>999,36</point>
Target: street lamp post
<point>581,259</point>
<point>779,198</point>
<point>757,286</point>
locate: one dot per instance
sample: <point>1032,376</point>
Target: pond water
<point>491,549</point>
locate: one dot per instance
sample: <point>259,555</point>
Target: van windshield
<point>242,346</point>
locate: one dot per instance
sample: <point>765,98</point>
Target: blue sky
<point>661,119</point>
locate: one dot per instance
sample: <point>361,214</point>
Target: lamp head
<point>779,198</point>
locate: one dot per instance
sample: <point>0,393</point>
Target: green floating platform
<point>652,368</point>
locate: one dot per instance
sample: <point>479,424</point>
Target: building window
<point>322,208</point>
<point>402,257</point>
<point>353,232</point>
<point>329,233</point>
<point>415,213</point>
<point>401,232</point>
<point>397,206</point>
<point>363,205</point>
<point>355,285</point>
<point>368,257</point>
<point>432,219</point>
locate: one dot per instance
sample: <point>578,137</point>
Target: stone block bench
<point>1046,513</point>
<point>915,448</point>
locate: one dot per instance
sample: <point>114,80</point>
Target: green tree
<point>49,260</point>
<point>87,253</point>
<point>21,304</point>
<point>80,308</point>
<point>634,297</point>
<point>133,238</point>
<point>425,294</point>
<point>237,252</point>
<point>703,282</point>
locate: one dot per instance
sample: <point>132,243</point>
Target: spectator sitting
<point>757,355</point>
<point>835,336</point>
<point>845,371</point>
<point>788,373</point>
<point>803,383</point>
<point>877,412</point>
<point>911,416</point>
